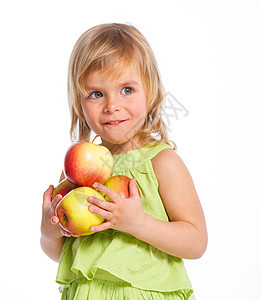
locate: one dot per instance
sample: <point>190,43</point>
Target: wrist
<point>142,227</point>
<point>50,239</point>
<point>52,247</point>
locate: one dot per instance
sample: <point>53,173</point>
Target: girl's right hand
<point>52,235</point>
<point>49,226</point>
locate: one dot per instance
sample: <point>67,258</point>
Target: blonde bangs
<point>111,65</point>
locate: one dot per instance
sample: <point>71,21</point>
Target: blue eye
<point>96,94</point>
<point>126,91</point>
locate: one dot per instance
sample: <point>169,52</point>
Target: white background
<point>209,56</point>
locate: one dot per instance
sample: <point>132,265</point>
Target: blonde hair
<point>111,48</point>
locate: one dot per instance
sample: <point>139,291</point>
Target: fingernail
<point>90,199</point>
<point>95,184</point>
<point>54,220</point>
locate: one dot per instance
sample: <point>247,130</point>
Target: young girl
<point>115,90</point>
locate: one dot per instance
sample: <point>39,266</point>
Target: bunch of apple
<point>84,164</point>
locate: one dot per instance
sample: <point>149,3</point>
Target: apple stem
<point>94,138</point>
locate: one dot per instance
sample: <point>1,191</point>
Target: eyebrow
<point>126,83</point>
<point>131,82</point>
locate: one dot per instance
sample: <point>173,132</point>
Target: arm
<point>52,238</point>
<point>185,236</point>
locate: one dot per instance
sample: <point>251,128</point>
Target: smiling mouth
<point>114,122</point>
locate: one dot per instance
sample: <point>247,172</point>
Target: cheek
<point>139,109</point>
<point>138,112</point>
<point>89,115</point>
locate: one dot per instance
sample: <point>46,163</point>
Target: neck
<point>122,148</point>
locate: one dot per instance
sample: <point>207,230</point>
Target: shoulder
<point>176,187</point>
<point>167,162</point>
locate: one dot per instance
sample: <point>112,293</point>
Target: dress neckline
<point>135,150</point>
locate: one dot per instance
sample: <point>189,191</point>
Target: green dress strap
<point>133,159</point>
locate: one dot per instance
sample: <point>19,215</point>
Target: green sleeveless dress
<point>115,265</point>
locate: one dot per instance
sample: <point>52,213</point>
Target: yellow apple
<point>73,211</point>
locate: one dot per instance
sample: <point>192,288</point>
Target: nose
<point>112,104</point>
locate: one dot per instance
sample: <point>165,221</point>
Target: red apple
<point>63,188</point>
<point>86,163</point>
<point>120,185</point>
<point>74,214</point>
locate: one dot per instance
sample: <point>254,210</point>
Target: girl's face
<point>115,108</point>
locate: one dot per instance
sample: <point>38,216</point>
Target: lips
<point>114,122</point>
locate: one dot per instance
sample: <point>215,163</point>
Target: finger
<point>133,188</point>
<point>47,196</point>
<point>55,201</point>
<point>101,212</point>
<point>49,191</point>
<point>107,192</point>
<point>54,220</point>
<point>75,235</point>
<point>101,203</point>
<point>103,226</point>
<point>66,233</point>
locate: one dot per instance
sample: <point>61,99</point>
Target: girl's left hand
<point>121,214</point>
